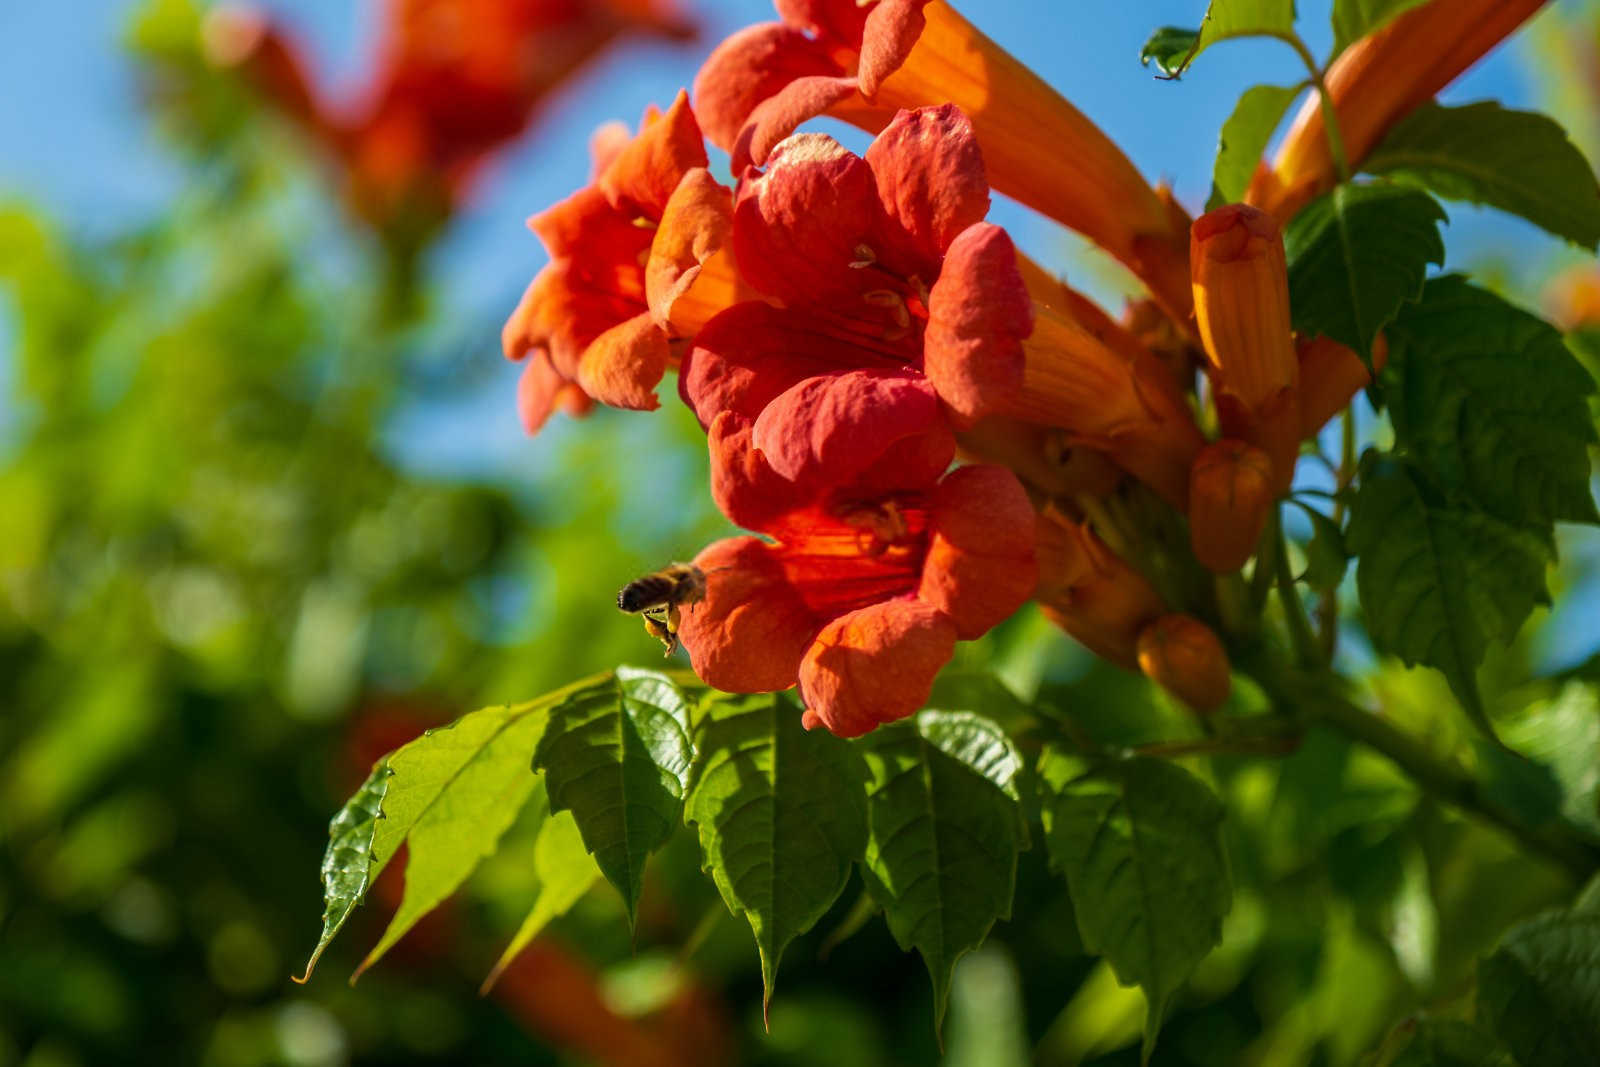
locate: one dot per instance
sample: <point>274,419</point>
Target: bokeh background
<point>257,527</point>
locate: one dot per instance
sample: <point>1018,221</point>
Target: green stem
<point>1330,115</point>
<point>1308,652</point>
<point>1444,779</point>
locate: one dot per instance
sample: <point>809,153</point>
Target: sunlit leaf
<point>781,814</point>
<point>1356,255</point>
<point>1244,139</point>
<point>1172,49</point>
<point>1140,843</point>
<point>945,828</point>
<point>1540,990</point>
<point>1438,580</point>
<point>1354,19</point>
<point>1488,400</point>
<point>1517,161</point>
<point>465,820</point>
<point>565,871</point>
<point>347,864</point>
<point>616,754</point>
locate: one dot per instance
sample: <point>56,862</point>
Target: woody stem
<point>1318,695</point>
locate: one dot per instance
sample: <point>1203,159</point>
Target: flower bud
<point>1241,296</point>
<point>1331,374</point>
<point>1183,656</point>
<point>1230,496</point>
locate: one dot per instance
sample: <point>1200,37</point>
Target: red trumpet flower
<point>860,597</point>
<point>456,80</point>
<point>631,257</point>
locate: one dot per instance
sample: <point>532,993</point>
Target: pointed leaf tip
<point>616,754</point>
<point>780,856</point>
<point>347,863</point>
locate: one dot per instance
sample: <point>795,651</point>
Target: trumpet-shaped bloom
<point>456,80</point>
<point>861,62</point>
<point>1090,592</point>
<point>636,261</point>
<point>859,598</point>
<point>1241,295</point>
<point>1374,84</point>
<point>905,316</point>
<point>850,371</point>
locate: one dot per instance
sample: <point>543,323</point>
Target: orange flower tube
<point>1230,498</point>
<point>862,62</point>
<point>1375,83</point>
<point>1241,296</point>
<point>1089,592</point>
<point>1182,655</point>
<point>1331,374</point>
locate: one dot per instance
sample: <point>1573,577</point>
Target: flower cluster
<point>922,428</point>
<point>455,80</point>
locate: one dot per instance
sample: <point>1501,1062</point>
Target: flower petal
<point>931,182</point>
<point>623,366</point>
<point>798,226</point>
<point>744,486</point>
<point>749,67</point>
<point>831,427</point>
<point>980,566</point>
<point>840,23</point>
<point>642,177</point>
<point>892,29</point>
<point>748,355</point>
<point>541,389</point>
<point>979,312</point>
<point>780,114</point>
<point>751,631</point>
<point>875,665</point>
<point>696,226</point>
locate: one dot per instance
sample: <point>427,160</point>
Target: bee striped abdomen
<point>646,592</point>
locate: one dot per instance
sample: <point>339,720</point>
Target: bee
<point>659,598</point>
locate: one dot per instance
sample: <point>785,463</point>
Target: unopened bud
<point>1091,593</point>
<point>1230,497</point>
<point>1241,297</point>
<point>1183,656</point>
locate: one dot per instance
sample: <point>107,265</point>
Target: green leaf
<point>1448,1043</point>
<point>1140,843</point>
<point>944,830</point>
<point>1517,161</point>
<point>1173,49</point>
<point>1540,990</point>
<point>1244,138</point>
<point>565,871</point>
<point>1354,19</point>
<point>1326,557</point>
<point>466,817</point>
<point>781,816</point>
<point>1356,255</point>
<point>1170,48</point>
<point>1488,400</point>
<point>1438,581</point>
<point>616,754</point>
<point>347,865</point>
